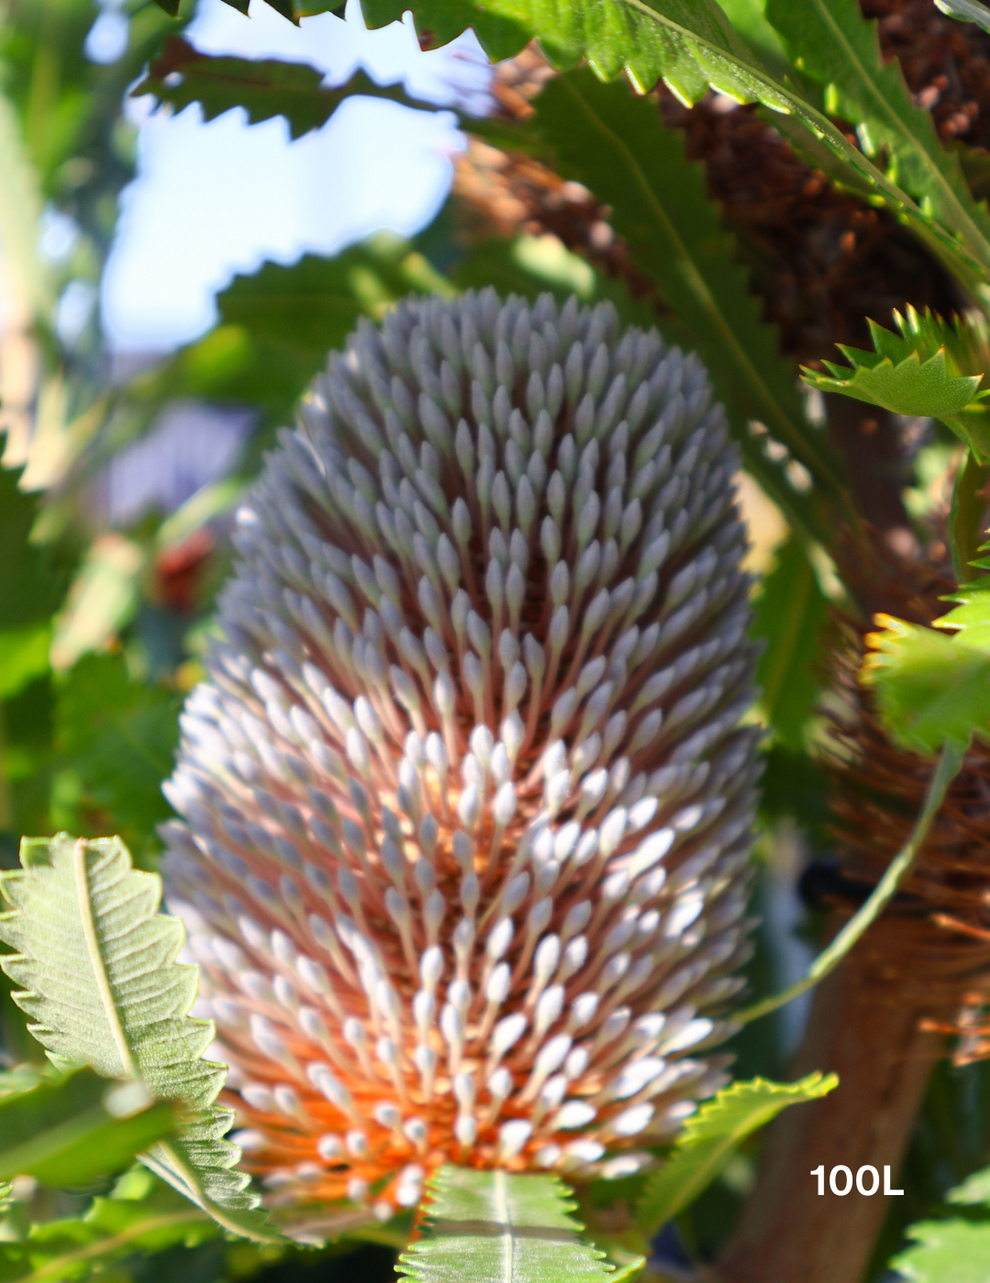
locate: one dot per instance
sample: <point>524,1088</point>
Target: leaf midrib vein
<point>95,955</point>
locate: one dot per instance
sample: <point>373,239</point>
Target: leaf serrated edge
<point>695,1133</point>
<point>164,1159</point>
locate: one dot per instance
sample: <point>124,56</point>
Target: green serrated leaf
<point>974,1190</point>
<point>95,965</point>
<point>966,11</point>
<point>118,735</point>
<point>789,615</point>
<point>690,44</point>
<point>929,688</point>
<point>711,1136</point>
<point>264,87</point>
<point>931,367</point>
<point>833,43</point>
<point>68,1130</point>
<point>971,617</point>
<point>615,145</point>
<point>492,1227</point>
<point>113,1229</point>
<point>946,1252</point>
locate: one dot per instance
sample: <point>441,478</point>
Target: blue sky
<point>214,199</point>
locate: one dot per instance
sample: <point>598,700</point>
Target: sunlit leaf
<point>23,656</point>
<point>493,1227</point>
<point>102,599</point>
<point>946,1252</point>
<point>712,1135</point>
<point>96,973</point>
<point>690,44</point>
<point>929,688</point>
<point>832,42</point>
<point>931,367</point>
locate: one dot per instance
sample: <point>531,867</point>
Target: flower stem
<point>945,772</point>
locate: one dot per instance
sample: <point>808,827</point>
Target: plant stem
<point>945,772</point>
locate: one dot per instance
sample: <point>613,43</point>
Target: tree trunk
<point>861,1028</point>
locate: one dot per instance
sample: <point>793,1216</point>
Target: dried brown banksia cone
<point>467,802</point>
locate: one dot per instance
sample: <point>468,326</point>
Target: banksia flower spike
<point>467,803</point>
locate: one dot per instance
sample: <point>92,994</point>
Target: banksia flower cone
<point>467,805</point>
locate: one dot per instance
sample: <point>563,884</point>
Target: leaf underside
<point>492,1227</point>
<point>712,1135</point>
<point>95,967</point>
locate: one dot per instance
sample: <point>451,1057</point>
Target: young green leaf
<point>971,617</point>
<point>946,1252</point>
<point>111,1230</point>
<point>492,1227</point>
<point>711,1137</point>
<point>615,144</point>
<point>264,87</point>
<point>23,656</point>
<point>789,615</point>
<point>951,1251</point>
<point>973,1191</point>
<point>929,688</point>
<point>68,1130</point>
<point>95,963</point>
<point>931,367</point>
